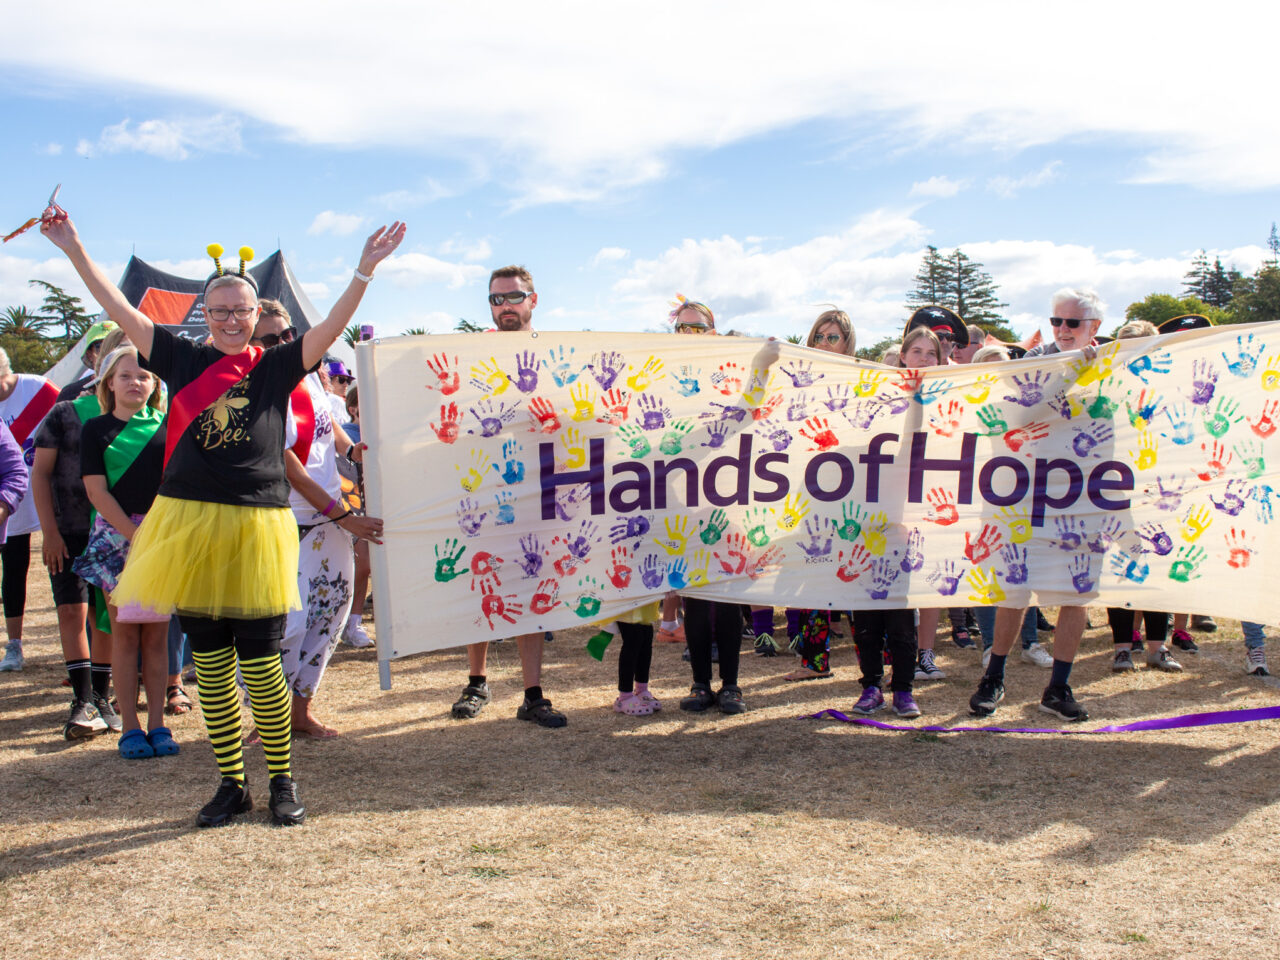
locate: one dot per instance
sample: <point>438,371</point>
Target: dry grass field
<point>760,836</point>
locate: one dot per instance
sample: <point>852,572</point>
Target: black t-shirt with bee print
<point>234,451</point>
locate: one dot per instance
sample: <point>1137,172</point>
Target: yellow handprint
<point>873,534</point>
<point>488,376</point>
<point>475,474</point>
<point>575,450</point>
<point>698,572</point>
<point>981,388</point>
<point>794,509</point>
<point>1195,523</point>
<point>1018,522</point>
<point>1271,375</point>
<point>1099,368</point>
<point>584,408</point>
<point>757,386</point>
<point>1144,458</point>
<point>646,375</point>
<point>677,536</point>
<point>986,591</point>
<point>869,383</point>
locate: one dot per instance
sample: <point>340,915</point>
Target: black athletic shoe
<point>542,713</point>
<point>232,798</point>
<point>83,722</point>
<point>988,696</point>
<point>108,714</point>
<point>700,698</point>
<point>286,809</point>
<point>1058,701</point>
<point>730,699</point>
<point>1042,622</point>
<point>473,700</point>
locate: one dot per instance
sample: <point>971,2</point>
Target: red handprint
<point>615,404</point>
<point>909,380</point>
<point>543,416</point>
<point>763,563</point>
<point>1265,426</point>
<point>449,381</point>
<point>859,562</point>
<point>483,565</point>
<point>988,542</point>
<point>770,404</point>
<point>492,605</point>
<point>944,507</point>
<point>1239,549</point>
<point>447,430</point>
<point>620,572</point>
<point>822,436</point>
<point>729,379</point>
<point>739,553</point>
<point>544,599</point>
<point>566,564</point>
<point>1216,464</point>
<point>946,422</point>
<point>1016,438</point>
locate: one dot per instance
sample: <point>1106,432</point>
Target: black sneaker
<point>1042,622</point>
<point>84,721</point>
<point>542,713</point>
<point>988,696</point>
<point>765,646</point>
<point>1058,701</point>
<point>108,714</point>
<point>286,809</point>
<point>730,699</point>
<point>232,798</point>
<point>473,700</point>
<point>700,698</point>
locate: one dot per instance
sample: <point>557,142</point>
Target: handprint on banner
<point>1251,458</point>
<point>1071,533</point>
<point>561,366</point>
<point>633,437</point>
<point>794,509</point>
<point>933,390</point>
<point>1144,458</point>
<point>945,578</point>
<point>653,571</point>
<point>1225,413</point>
<point>584,408</point>
<point>913,558</point>
<point>447,560</point>
<point>1166,495</point>
<point>819,542</point>
<point>986,587</point>
<point>646,376</point>
<point>485,566</point>
<point>489,378</point>
<point>818,431</point>
<point>490,416</point>
<point>737,554</point>
<point>677,536</point>
<point>765,409</point>
<point>698,576</point>
<point>1019,437</point>
<point>874,536</point>
<point>1232,500</point>
<point>545,598</point>
<point>989,540</point>
<point>1156,539</point>
<point>1271,375</point>
<point>605,367</point>
<point>447,378</point>
<point>869,382</point>
<point>883,573</point>
<point>678,574</point>
<point>532,554</point>
<point>727,380</point>
<point>1204,380</point>
<point>633,528</point>
<point>653,412</point>
<point>1103,406</point>
<point>471,478</point>
<point>1150,363</point>
<point>1086,372</point>
<point>1015,563</point>
<point>1216,461</point>
<point>908,380</point>
<point>620,568</point>
<point>566,565</point>
<point>712,528</point>
<point>992,421</point>
<point>1144,408</point>
<point>542,416</point>
<point>615,404</point>
<point>764,563</point>
<point>945,421</point>
<point>1030,387</point>
<point>861,413</point>
<point>716,435</point>
<point>1186,567</point>
<point>850,568</point>
<point>779,439</point>
<point>1018,522</point>
<point>981,388</point>
<point>837,397</point>
<point>942,507</point>
<point>580,543</point>
<point>588,602</point>
<point>756,523</point>
<point>447,429</point>
<point>570,500</point>
<point>1108,533</point>
<point>492,605</point>
<point>512,469</point>
<point>1067,407</point>
<point>1087,438</point>
<point>801,373</point>
<point>505,501</point>
<point>1132,568</point>
<point>1261,495</point>
<point>687,378</point>
<point>574,447</point>
<point>723,411</point>
<point>1240,549</point>
<point>1195,522</point>
<point>1265,425</point>
<point>526,378</point>
<point>798,408</point>
<point>1081,570</point>
<point>1246,358</point>
<point>759,383</point>
<point>1181,425</point>
<point>850,525</point>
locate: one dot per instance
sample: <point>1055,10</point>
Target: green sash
<point>87,408</point>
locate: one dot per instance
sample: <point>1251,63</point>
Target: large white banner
<point>531,482</point>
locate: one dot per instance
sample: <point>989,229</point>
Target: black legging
<point>705,622</point>
<point>1121,620</point>
<point>16,557</point>
<point>873,630</point>
<point>636,655</point>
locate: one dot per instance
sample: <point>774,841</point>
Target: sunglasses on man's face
<point>828,338</point>
<point>340,380</point>
<point>284,336</point>
<point>944,336</point>
<point>692,328</point>
<point>1071,322</point>
<point>498,299</point>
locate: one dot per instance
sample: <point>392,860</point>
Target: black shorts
<point>68,586</point>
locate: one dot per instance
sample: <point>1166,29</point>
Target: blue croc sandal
<point>135,746</point>
<point>162,742</point>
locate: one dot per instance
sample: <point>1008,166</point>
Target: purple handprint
<point>1153,534</point>
<point>816,545</point>
<point>605,368</point>
<point>837,397</point>
<point>780,439</point>
<point>491,415</point>
<point>862,413</point>
<point>1030,389</point>
<point>1232,501</point>
<point>470,516</point>
<point>1204,378</point>
<point>1081,570</point>
<point>798,408</point>
<point>634,528</point>
<point>913,559</point>
<point>1105,536</point>
<point>653,571</point>
<point>1070,532</point>
<point>1015,559</point>
<point>653,412</point>
<point>1168,498</point>
<point>569,501</point>
<point>531,555</point>
<point>946,578</point>
<point>526,379</point>
<point>801,374</point>
<point>580,544</point>
<point>1087,438</point>
<point>716,434</point>
<point>726,412</point>
<point>893,405</point>
<point>883,572</point>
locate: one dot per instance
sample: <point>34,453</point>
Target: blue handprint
<point>1181,425</point>
<point>561,366</point>
<point>506,512</point>
<point>1246,359</point>
<point>1131,568</point>
<point>512,470</point>
<point>1148,363</point>
<point>687,378</point>
<point>676,574</point>
<point>930,391</point>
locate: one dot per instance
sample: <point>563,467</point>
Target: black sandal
<point>176,701</point>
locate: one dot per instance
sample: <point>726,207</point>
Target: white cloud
<point>592,116</point>
<point>167,139</point>
<point>411,269</point>
<point>1009,187</point>
<point>430,191</point>
<point>338,224</point>
<point>52,149</point>
<point>938,186</point>
<point>609,255</point>
<point>316,290</point>
<point>467,249</point>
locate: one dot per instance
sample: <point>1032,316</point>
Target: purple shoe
<point>870,701</point>
<point>904,705</point>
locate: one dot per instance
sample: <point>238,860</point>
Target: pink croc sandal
<point>649,698</point>
<point>632,705</point>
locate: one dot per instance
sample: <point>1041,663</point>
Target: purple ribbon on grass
<point>1138,726</point>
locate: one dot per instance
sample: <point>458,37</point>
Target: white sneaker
<point>1037,654</point>
<point>986,659</point>
<point>13,661</point>
<point>926,669</point>
<point>1255,662</point>
<point>355,635</point>
<point>1123,661</point>
<point>1163,660</point>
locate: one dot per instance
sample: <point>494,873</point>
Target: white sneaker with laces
<point>1255,662</point>
<point>1163,660</point>
<point>1037,654</point>
<point>12,661</point>
<point>1122,661</point>
<point>926,669</point>
<point>354,633</point>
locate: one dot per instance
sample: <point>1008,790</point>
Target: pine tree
<point>931,282</point>
<point>62,309</point>
<point>1195,282</point>
<point>1273,242</point>
<point>1219,284</point>
<point>959,283</point>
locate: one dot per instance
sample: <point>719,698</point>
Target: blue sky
<point>766,165</point>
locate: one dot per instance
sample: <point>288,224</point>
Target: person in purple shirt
<point>13,477</point>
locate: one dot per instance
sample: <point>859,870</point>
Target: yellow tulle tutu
<point>213,560</point>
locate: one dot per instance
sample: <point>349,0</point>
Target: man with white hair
<point>1075,316</point>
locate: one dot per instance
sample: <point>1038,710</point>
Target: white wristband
<point>361,277</point>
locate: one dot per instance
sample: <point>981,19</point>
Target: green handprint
<point>672,440</point>
<point>1223,416</point>
<point>1250,455</point>
<point>1103,407</point>
<point>634,437</point>
<point>1184,568</point>
<point>446,565</point>
<point>712,529</point>
<point>756,520</point>
<point>991,419</point>
<point>851,524</point>
<point>588,602</point>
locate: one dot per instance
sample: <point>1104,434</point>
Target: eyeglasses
<point>828,338</point>
<point>498,299</point>
<point>342,381</point>
<point>286,335</point>
<point>692,328</point>
<point>222,313</point>
<point>1071,322</point>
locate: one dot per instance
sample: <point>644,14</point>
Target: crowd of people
<point>205,497</point>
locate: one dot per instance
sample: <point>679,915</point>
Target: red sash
<point>304,418</point>
<point>202,392</point>
<point>34,412</point>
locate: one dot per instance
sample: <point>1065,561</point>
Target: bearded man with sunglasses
<point>511,302</point>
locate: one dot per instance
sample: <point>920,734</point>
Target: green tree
<point>1273,244</point>
<point>795,338</point>
<point>21,323</point>
<point>877,349</point>
<point>22,335</point>
<point>932,284</point>
<point>1221,284</point>
<point>1257,298</point>
<point>416,332</point>
<point>1195,282</point>
<point>351,335</point>
<point>955,281</point>
<point>62,309</point>
<point>1159,307</point>
<point>466,326</point>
